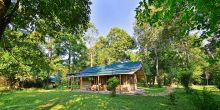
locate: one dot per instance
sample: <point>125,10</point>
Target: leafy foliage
<point>185,80</point>
<point>23,59</point>
<point>118,41</point>
<point>167,27</point>
<point>114,48</point>
<point>204,100</point>
<point>112,84</point>
<point>172,99</point>
<point>35,34</point>
<point>194,14</point>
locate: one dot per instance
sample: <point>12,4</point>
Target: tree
<point>118,42</point>
<point>24,25</point>
<point>114,48</point>
<point>150,42</point>
<point>74,48</point>
<point>6,13</point>
<point>24,60</point>
<point>194,14</point>
<point>91,39</point>
<point>213,51</point>
<point>101,55</point>
<point>34,15</point>
<point>182,54</point>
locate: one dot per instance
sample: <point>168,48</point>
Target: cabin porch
<point>128,82</point>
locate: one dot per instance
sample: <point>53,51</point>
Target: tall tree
<point>149,41</point>
<point>24,25</point>
<point>102,52</point>
<point>25,58</point>
<point>91,37</point>
<point>72,49</point>
<point>118,41</point>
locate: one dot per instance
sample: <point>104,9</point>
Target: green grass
<point>209,87</point>
<point>63,99</point>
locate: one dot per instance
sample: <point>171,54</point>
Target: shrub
<point>217,80</point>
<point>112,84</point>
<point>142,83</point>
<point>204,100</point>
<point>185,80</point>
<point>159,81</point>
<point>32,83</point>
<point>172,99</point>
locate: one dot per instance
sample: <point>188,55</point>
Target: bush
<point>217,80</point>
<point>112,84</point>
<point>32,83</point>
<point>204,100</point>
<point>159,81</point>
<point>142,83</point>
<point>172,99</point>
<point>185,80</point>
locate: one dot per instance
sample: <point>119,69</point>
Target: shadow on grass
<point>61,99</point>
<point>42,100</point>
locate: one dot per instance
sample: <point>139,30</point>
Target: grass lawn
<point>63,99</point>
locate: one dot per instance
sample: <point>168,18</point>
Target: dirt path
<point>165,93</point>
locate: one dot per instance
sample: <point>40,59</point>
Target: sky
<point>106,14</point>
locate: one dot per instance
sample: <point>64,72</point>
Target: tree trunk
<point>69,59</point>
<point>5,16</point>
<point>164,80</point>
<point>11,81</point>
<point>2,28</point>
<point>69,63</point>
<point>2,17</point>
<point>153,80</point>
<point>48,75</point>
<point>157,67</point>
<point>145,75</point>
<point>207,82</point>
<point>91,59</point>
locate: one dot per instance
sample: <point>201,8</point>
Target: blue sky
<point>107,14</point>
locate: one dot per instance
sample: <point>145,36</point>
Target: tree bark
<point>157,67</point>
<point>91,59</point>
<point>5,18</point>
<point>69,59</point>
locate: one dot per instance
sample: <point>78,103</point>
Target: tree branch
<point>8,17</point>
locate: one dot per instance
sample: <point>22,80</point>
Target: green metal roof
<point>113,69</point>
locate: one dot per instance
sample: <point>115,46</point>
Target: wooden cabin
<point>95,78</point>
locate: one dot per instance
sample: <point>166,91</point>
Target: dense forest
<point>177,42</point>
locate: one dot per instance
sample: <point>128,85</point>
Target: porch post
<point>126,79</point>
<point>81,83</point>
<point>95,83</point>
<point>135,81</point>
<point>120,83</point>
<point>106,83</point>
